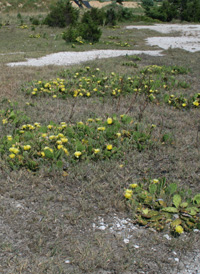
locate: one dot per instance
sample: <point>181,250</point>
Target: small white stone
<point>102,227</point>
<point>18,205</point>
<point>126,241</point>
<point>67,261</point>
<point>167,237</point>
<point>176,259</point>
<point>136,246</point>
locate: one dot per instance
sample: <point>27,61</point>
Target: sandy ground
<point>68,58</point>
<point>186,37</point>
<point>97,4</point>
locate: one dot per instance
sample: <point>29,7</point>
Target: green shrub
<point>187,10</point>
<point>62,15</point>
<point>89,32</point>
<point>111,17</point>
<point>124,14</point>
<point>147,3</point>
<point>95,15</point>
<point>34,21</point>
<point>71,34</point>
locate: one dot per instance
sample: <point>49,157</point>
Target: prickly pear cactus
<point>160,205</point>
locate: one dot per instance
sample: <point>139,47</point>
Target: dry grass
<point>46,219</point>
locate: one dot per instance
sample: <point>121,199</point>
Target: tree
<point>184,10</point>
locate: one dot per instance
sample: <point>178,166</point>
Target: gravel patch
<point>188,263</point>
<point>187,36</point>
<point>69,58</point>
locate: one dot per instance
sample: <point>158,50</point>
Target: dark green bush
<point>34,21</point>
<point>71,34</point>
<point>147,3</point>
<point>185,10</point>
<point>116,13</point>
<point>94,14</point>
<point>124,14</point>
<point>89,32</point>
<point>111,17</point>
<point>62,15</point>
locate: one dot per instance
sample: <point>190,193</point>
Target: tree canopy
<point>184,10</point>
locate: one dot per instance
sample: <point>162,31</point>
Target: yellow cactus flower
<point>64,140</point>
<point>179,229</point>
<point>66,151</point>
<point>109,147</point>
<point>196,103</point>
<point>27,147</point>
<point>12,155</point>
<point>77,154</point>
<point>113,92</point>
<point>155,181</point>
<point>60,135</point>
<point>96,150</point>
<point>9,138</point>
<point>50,149</point>
<point>101,128</point>
<point>52,137</point>
<point>133,185</point>
<point>4,121</point>
<point>59,146</point>
<point>128,194</point>
<point>109,121</point>
<point>37,124</point>
<point>90,120</point>
<point>14,150</point>
<point>49,126</point>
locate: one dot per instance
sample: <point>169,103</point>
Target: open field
<point>66,213</point>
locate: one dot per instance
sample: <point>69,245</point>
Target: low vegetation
<point>99,162</point>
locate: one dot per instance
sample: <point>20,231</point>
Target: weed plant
<point>159,204</point>
<point>32,145</point>
<point>153,82</point>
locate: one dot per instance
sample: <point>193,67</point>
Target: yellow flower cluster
<point>179,229</point>
<point>23,27</point>
<point>128,193</point>
<point>27,147</point>
<point>109,121</point>
<point>77,154</point>
<point>109,147</point>
<point>196,103</point>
